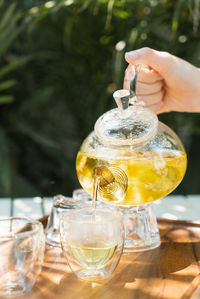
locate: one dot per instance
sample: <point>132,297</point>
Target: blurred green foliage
<point>60,62</point>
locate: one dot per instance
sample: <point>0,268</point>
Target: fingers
<point>157,108</point>
<point>156,102</point>
<point>148,89</point>
<point>162,62</point>
<point>152,99</point>
<point>146,75</point>
<point>160,108</point>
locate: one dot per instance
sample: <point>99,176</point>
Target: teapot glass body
<point>145,170</point>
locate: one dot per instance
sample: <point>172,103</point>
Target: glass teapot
<point>139,158</point>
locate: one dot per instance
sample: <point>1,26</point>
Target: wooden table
<point>169,272</point>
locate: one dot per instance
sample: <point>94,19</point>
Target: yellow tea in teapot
<point>150,176</point>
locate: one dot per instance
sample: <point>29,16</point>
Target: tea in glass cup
<point>92,241</point>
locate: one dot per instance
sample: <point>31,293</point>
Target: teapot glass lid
<point>126,125</point>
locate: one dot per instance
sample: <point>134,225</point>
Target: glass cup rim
<point>37,226</point>
<point>115,214</point>
<point>63,201</point>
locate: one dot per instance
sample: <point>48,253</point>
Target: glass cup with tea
<point>92,241</point>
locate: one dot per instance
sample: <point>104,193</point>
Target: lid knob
<point>121,97</point>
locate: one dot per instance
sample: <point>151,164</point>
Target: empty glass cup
<point>21,254</point>
<point>92,241</point>
<point>81,194</point>
<point>141,229</point>
<point>86,198</point>
<point>80,199</point>
<point>60,205</point>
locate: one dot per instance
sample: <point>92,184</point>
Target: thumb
<point>161,62</point>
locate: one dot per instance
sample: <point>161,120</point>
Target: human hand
<point>165,82</point>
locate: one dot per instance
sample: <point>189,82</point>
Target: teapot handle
<point>133,96</point>
<point>124,97</point>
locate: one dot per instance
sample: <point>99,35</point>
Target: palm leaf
<point>7,84</point>
<point>13,65</point>
<point>5,170</point>
<point>7,16</point>
<point>5,99</point>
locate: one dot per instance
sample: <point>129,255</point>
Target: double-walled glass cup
<point>21,254</point>
<point>92,241</point>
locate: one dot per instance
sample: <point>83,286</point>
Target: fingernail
<point>128,55</point>
<point>131,56</point>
